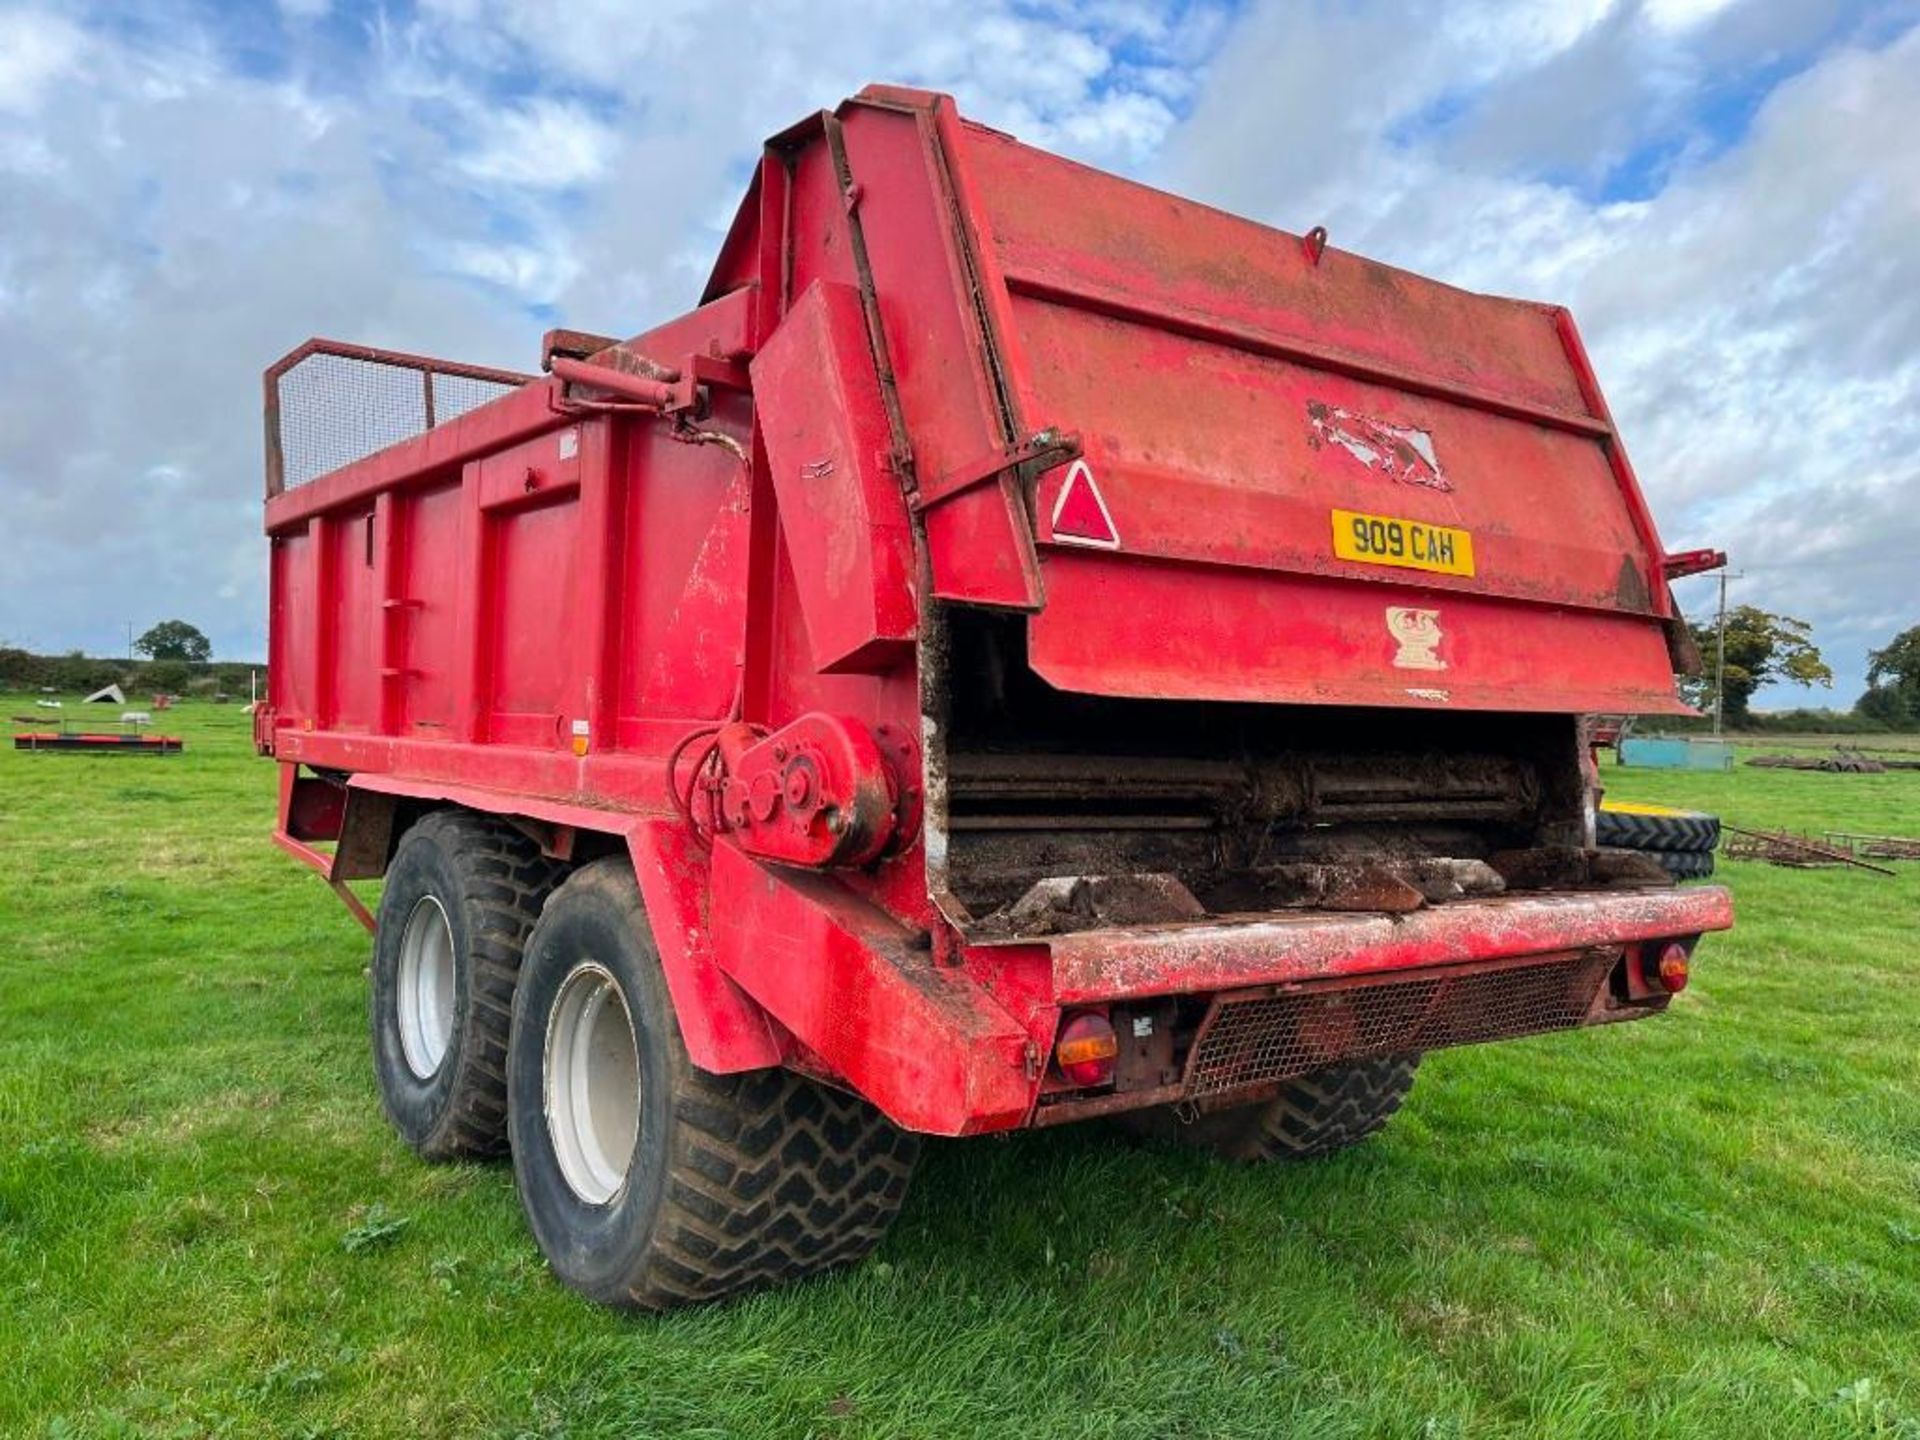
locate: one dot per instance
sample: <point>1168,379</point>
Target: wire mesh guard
<point>1277,1037</point>
<point>331,407</point>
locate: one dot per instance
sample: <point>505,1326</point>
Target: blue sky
<point>1721,189</point>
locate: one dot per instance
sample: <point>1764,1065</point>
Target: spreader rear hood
<point>1214,460</point>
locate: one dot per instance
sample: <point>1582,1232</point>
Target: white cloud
<point>1683,14</point>
<point>546,145</point>
<point>536,273</point>
<point>36,49</point>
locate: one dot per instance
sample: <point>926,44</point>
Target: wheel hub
<point>592,1083</point>
<point>426,988</point>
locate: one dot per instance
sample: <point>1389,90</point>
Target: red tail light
<point>1672,972</point>
<point>1086,1049</point>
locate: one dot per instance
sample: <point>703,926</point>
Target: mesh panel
<point>335,409</point>
<point>1276,1037</point>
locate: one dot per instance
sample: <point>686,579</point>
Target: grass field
<point>1708,1225</point>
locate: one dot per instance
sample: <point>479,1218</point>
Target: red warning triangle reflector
<point>1080,515</point>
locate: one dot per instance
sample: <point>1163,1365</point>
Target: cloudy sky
<point>1727,194</point>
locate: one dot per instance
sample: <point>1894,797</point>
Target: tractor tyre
<point>649,1183</point>
<point>460,899</point>
<point>1657,830</point>
<point>1312,1116</point>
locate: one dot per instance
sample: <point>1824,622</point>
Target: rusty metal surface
<point>1228,955</point>
<point>1843,761</point>
<point>1876,847</point>
<point>1781,847</point>
<point>1249,1039</point>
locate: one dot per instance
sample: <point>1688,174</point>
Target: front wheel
<point>460,896</point>
<point>1313,1115</point>
<point>648,1182</point>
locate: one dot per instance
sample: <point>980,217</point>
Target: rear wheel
<point>460,898</point>
<point>1314,1115</point>
<point>648,1182</point>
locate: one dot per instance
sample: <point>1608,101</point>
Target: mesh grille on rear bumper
<point>1254,1038</point>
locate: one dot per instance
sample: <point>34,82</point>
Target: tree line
<point>179,660</point>
<point>1762,648</point>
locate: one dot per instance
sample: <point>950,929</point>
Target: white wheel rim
<point>426,985</point>
<point>592,1082</point>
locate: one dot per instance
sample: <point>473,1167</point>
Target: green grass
<point>1704,1225</point>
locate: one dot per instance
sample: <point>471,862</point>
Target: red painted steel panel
<point>842,513</point>
<point>354,662</point>
<point>533,595</point>
<point>1056,222</point>
<point>926,262</point>
<point>426,617</point>
<point>919,1040</point>
<point>293,631</point>
<point>1206,453</point>
<point>1239,393</point>
<point>726,1031</point>
<point>686,515</point>
<point>1121,626</point>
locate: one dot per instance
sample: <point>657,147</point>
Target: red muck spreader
<point>1024,647</point>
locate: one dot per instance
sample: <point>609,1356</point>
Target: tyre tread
<point>769,1175</point>
<point>1312,1116</point>
<point>505,882</point>
<point>1688,832</point>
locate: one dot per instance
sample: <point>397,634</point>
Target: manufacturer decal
<point>1400,451</point>
<point>1417,633</point>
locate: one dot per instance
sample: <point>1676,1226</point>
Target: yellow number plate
<point>1411,544</point>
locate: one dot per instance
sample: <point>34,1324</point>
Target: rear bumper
<point>1188,959</point>
<point>961,1043</point>
<point>1277,997</point>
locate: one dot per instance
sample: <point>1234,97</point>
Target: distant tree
<point>1761,647</point>
<point>1898,666</point>
<point>175,640</point>
<point>167,677</point>
<point>74,671</point>
<point>21,669</point>
<point>1887,705</point>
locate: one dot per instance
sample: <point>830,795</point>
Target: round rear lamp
<point>1672,971</point>
<point>1086,1050</point>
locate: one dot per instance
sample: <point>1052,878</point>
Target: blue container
<point>1676,752</point>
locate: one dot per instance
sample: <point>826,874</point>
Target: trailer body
<point>1011,594</point>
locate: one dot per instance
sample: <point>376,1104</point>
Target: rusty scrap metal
<point>1841,762</point>
<point>1778,847</point>
<point>1880,847</point>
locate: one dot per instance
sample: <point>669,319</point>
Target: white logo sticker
<point>1417,633</point>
